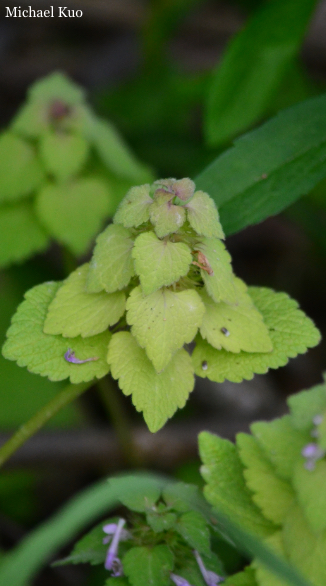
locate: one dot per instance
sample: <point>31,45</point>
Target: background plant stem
<point>120,421</point>
<point>27,430</point>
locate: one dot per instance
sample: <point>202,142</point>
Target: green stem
<point>28,429</point>
<point>119,419</point>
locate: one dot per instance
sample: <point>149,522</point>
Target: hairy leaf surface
<point>111,267</point>
<point>219,281</point>
<point>203,216</point>
<point>157,395</point>
<point>134,208</point>
<point>290,330</point>
<point>235,327</point>
<point>74,312</point>
<point>272,495</point>
<point>226,489</point>
<point>159,262</point>
<point>164,321</point>
<point>44,354</point>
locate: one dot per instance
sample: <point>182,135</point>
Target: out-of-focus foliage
<point>63,171</point>
<point>271,483</point>
<point>253,67</point>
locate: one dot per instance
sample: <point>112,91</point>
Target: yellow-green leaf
<point>73,212</point>
<point>290,330</point>
<point>164,321</point>
<point>219,278</point>
<point>44,354</point>
<point>20,170</point>
<point>134,208</point>
<point>235,327</point>
<point>74,312</point>
<point>159,262</point>
<point>203,216</point>
<point>111,267</point>
<point>157,395</point>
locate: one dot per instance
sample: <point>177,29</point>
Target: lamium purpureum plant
<point>164,538</point>
<point>63,171</point>
<point>160,279</point>
<point>272,484</point>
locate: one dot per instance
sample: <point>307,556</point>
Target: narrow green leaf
<point>203,216</point>
<point>44,354</point>
<point>150,566</point>
<point>269,168</point>
<point>290,330</point>
<point>20,170</point>
<point>253,66</point>
<point>271,494</point>
<point>111,267</point>
<point>63,154</point>
<point>74,312</point>
<point>157,395</point>
<point>164,321</point>
<point>159,262</point>
<point>226,489</point>
<point>73,212</point>
<point>20,233</point>
<point>219,280</point>
<point>235,327</point>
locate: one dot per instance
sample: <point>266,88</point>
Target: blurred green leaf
<point>269,168</point>
<point>253,67</point>
<point>20,169</point>
<point>74,212</point>
<point>19,566</point>
<point>21,233</point>
<point>113,151</point>
<point>255,548</point>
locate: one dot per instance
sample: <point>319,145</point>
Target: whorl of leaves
<point>159,279</point>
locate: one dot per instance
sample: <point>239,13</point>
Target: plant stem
<point>28,429</point>
<point>119,419</point>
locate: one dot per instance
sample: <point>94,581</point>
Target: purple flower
<point>117,532</point>
<point>210,578</point>
<point>312,452</point>
<point>179,581</point>
<point>70,357</point>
